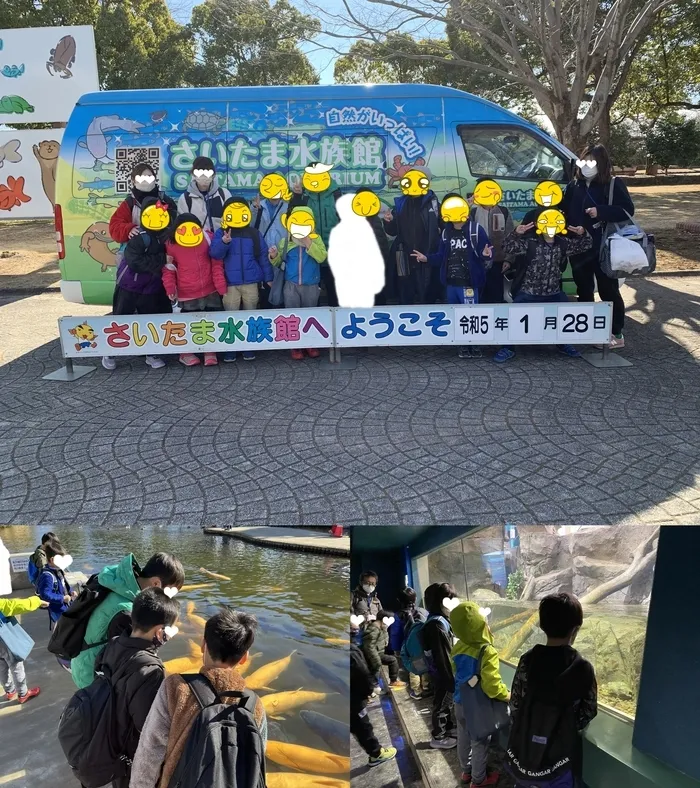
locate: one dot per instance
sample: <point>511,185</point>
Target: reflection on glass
<point>610,569</point>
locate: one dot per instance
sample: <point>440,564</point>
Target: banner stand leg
<point>335,362</point>
<point>605,359</point>
<point>69,372</point>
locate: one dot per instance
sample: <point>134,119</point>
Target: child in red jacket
<point>191,277</point>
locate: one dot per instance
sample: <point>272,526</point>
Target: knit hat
<point>236,198</point>
<point>187,217</point>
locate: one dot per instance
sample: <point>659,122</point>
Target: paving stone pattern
<point>411,436</point>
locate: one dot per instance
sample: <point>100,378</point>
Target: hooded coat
<point>192,273</point>
<point>208,207</point>
<point>245,256</point>
<point>268,221</point>
<point>121,580</point>
<point>51,587</point>
<point>144,258</point>
<point>472,632</point>
<point>323,206</point>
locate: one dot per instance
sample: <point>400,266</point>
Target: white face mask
<point>589,172</point>
<point>368,589</point>
<point>144,185</point>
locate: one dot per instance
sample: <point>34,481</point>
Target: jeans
<point>443,724</point>
<point>361,728</point>
<point>12,674</point>
<point>587,266</point>
<point>473,755</point>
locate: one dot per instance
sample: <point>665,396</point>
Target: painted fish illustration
<point>15,105</point>
<point>336,734</point>
<point>264,676</point>
<point>95,137</point>
<point>12,194</point>
<point>328,677</point>
<point>308,759</point>
<point>10,152</point>
<point>12,71</point>
<point>97,184</point>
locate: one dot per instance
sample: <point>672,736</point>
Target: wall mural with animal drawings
<point>28,161</point>
<point>44,71</point>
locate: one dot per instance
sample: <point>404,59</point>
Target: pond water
<point>299,599</point>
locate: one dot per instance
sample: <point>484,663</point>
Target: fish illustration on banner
<point>9,152</point>
<point>12,71</point>
<point>12,193</point>
<point>96,139</point>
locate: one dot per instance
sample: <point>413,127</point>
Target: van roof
<point>286,92</point>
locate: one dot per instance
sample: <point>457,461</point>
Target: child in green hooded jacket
<point>471,628</point>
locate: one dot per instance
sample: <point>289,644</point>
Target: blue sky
<point>322,59</point>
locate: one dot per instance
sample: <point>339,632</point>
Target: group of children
<point>215,251</point>
<point>552,698</point>
<point>128,613</point>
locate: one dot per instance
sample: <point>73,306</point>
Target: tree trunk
<point>520,636</point>
<point>604,128</point>
<point>511,620</point>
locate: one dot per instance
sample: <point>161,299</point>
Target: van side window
<point>511,152</point>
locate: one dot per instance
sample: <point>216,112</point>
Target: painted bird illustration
<point>12,194</point>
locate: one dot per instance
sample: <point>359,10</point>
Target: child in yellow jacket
<point>472,631</point>
<point>12,673</point>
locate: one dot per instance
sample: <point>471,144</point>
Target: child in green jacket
<point>472,631</point>
<point>12,673</point>
<point>375,641</point>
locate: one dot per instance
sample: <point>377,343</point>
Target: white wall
<point>37,152</point>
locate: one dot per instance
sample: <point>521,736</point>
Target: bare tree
<point>573,56</point>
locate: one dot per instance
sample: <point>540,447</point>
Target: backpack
<point>68,637</point>
<point>33,572</point>
<point>542,740</point>
<point>122,269</point>
<point>413,655</point>
<point>89,733</point>
<point>224,748</point>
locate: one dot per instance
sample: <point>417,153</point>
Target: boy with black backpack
<point>100,729</point>
<point>207,724</point>
<point>37,560</point>
<point>204,197</point>
<point>553,698</point>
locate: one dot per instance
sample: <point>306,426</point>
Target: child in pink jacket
<point>192,277</point>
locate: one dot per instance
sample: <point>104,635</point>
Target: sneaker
<point>617,342</point>
<point>313,353</point>
<point>109,363</point>
<point>386,754</point>
<point>298,355</point>
<point>415,695</point>
<point>490,779</point>
<point>31,694</point>
<point>248,355</point>
<point>397,684</point>
<point>189,359</point>
<point>569,350</point>
<point>154,362</point>
<point>466,778</point>
<point>210,360</point>
<point>477,352</point>
<point>446,743</point>
<point>464,352</point>
<point>11,695</point>
<point>503,355</point>
<point>229,358</point>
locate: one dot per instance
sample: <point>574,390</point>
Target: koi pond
<point>300,659</point>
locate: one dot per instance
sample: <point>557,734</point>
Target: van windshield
<point>510,153</point>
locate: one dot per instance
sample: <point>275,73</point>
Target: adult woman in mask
<point>586,202</point>
<point>125,221</point>
<point>365,601</point>
<point>204,197</point>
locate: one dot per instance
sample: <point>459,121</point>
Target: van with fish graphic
<point>371,135</point>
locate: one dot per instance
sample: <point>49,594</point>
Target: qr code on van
<point>126,159</point>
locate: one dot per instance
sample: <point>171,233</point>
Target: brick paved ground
<point>410,436</point>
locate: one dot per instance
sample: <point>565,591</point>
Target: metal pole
<point>69,367</point>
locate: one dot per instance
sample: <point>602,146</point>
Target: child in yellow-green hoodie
<point>472,632</point>
<point>12,671</point>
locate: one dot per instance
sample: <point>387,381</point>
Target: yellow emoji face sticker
<point>454,208</point>
<point>236,215</point>
<point>316,177</point>
<point>414,183</point>
<point>487,193</point>
<point>155,217</point>
<point>551,223</point>
<point>189,234</point>
<point>366,203</point>
<point>274,187</point>
<point>300,223</point>
<point>548,194</point>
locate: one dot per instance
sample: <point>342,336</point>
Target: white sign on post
<point>44,71</point>
<point>28,161</point>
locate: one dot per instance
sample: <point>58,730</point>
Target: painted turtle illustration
<point>203,120</point>
<point>62,58</point>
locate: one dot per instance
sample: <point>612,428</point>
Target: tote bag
<point>485,716</point>
<point>17,641</point>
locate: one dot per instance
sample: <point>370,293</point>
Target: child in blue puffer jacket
<point>246,260</point>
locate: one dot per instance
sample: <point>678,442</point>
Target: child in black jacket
<point>135,663</point>
<point>437,645</point>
